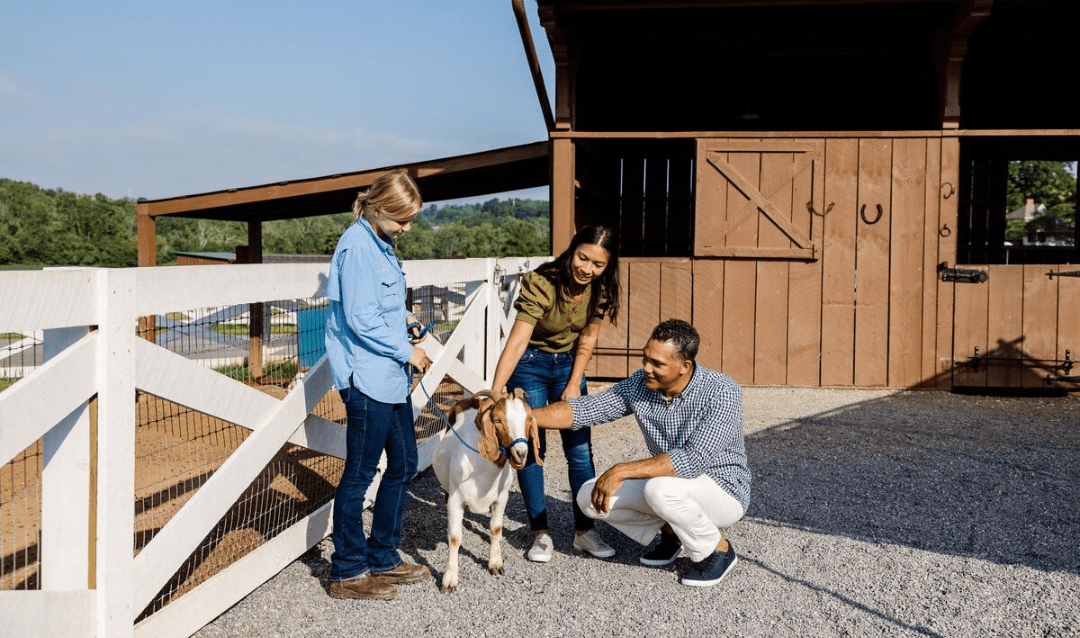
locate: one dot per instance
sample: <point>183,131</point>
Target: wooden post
<point>146,241</point>
<point>256,326</point>
<point>116,454</point>
<point>562,194</point>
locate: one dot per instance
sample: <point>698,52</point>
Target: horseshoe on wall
<point>862,213</point>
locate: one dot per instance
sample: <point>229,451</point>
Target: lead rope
<point>420,382</point>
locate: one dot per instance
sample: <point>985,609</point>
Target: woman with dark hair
<point>560,308</point>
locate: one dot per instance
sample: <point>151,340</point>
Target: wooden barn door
<point>757,273</point>
<point>1018,328</point>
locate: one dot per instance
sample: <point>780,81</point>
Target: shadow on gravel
<point>993,478</point>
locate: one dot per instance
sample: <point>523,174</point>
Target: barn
<point>819,186</point>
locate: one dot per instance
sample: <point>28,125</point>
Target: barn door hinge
<point>962,275</point>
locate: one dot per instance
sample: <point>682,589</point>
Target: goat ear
<point>488,445</point>
<point>534,434</point>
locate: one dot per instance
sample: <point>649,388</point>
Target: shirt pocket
<point>391,291</point>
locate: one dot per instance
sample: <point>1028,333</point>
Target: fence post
<point>65,479</point>
<point>116,453</point>
<point>494,322</point>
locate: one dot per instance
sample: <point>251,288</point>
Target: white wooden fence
<point>98,587</point>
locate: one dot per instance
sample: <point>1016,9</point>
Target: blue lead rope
<point>445,420</point>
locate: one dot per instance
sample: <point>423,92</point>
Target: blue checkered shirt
<point>700,429</point>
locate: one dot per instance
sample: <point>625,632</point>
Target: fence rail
<point>148,481</point>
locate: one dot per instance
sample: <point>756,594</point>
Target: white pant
<point>695,509</point>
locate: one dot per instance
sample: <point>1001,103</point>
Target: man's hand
<point>610,481</point>
<point>605,487</point>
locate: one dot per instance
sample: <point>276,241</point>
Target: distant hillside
<point>44,227</point>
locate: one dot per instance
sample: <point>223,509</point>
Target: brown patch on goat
<point>491,421</point>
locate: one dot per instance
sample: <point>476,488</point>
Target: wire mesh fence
<point>20,520</point>
<point>268,346</point>
<point>20,478</point>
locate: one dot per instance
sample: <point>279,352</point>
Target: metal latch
<point>962,275</point>
<point>1063,273</point>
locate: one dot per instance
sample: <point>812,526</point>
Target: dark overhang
<point>477,174</point>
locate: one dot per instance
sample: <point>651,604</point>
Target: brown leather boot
<point>404,573</point>
<point>367,586</point>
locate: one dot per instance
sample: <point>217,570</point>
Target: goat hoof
<point>495,570</point>
<point>448,585</point>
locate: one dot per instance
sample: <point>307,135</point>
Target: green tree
<point>1050,183</point>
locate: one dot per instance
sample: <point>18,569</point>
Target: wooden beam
<point>953,47</point>
<point>508,168</point>
<point>562,195</point>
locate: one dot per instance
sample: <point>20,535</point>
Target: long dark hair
<point>558,271</point>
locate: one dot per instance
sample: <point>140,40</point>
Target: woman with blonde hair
<point>368,347</point>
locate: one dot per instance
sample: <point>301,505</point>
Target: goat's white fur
<point>481,481</point>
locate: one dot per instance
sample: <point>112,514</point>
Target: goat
<point>471,464</point>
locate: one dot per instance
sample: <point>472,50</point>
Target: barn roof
<point>496,171</point>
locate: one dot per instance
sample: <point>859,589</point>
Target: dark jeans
<point>543,376</point>
<point>372,428</point>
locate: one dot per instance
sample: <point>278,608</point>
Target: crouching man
<point>696,482</point>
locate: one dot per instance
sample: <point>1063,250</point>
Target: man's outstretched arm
<point>555,416</point>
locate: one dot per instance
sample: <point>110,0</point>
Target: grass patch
<point>5,382</point>
<point>285,369</point>
<point>241,329</point>
<point>446,326</point>
<point>11,335</point>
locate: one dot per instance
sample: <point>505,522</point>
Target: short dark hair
<point>683,337</point>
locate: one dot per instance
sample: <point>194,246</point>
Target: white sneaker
<point>591,542</point>
<point>540,552</point>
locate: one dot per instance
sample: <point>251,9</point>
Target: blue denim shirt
<point>365,331</point>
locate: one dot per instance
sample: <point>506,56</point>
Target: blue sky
<point>156,99</point>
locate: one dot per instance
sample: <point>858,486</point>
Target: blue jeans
<point>543,376</point>
<point>372,427</point>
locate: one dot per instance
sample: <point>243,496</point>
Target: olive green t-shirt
<point>556,322</point>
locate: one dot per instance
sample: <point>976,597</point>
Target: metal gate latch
<point>962,275</point>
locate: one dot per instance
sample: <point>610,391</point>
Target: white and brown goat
<point>474,466</point>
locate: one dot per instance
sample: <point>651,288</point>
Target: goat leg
<point>495,561</point>
<point>455,510</point>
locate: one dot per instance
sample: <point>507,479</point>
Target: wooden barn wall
<point>866,310</point>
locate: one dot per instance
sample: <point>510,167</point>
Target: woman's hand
<point>419,359</point>
<point>412,326</point>
<point>572,390</point>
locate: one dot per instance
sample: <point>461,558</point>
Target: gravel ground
<point>873,513</point>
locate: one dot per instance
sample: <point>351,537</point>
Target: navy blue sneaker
<point>664,553</point>
<point>712,569</point>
